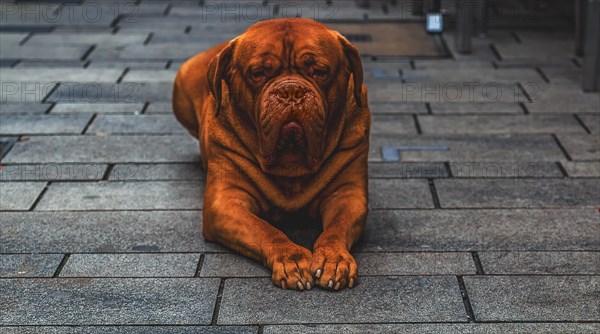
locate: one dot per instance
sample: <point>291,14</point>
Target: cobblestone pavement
<point>484,179</point>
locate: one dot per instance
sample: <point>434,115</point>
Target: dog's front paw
<point>291,268</point>
<point>334,268</point>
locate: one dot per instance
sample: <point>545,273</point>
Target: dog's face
<point>288,79</point>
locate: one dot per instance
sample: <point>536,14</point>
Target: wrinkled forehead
<point>287,42</point>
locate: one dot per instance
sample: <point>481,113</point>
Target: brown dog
<point>284,106</point>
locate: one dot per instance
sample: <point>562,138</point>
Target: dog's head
<point>289,80</point>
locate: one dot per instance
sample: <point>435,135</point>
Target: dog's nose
<point>290,91</point>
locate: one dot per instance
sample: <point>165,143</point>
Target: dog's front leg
<point>230,218</point>
<point>344,214</point>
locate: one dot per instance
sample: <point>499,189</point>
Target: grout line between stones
<point>448,169</point>
<point>120,78</point>
<point>582,123</point>
<point>524,107</point>
<point>215,316</point>
<point>542,74</point>
<point>466,301</point>
<point>199,266</point>
<point>89,123</point>
<point>108,171</point>
<point>62,264</point>
<point>434,194</point>
<point>39,198</point>
<point>562,148</point>
<point>50,92</point>
<point>88,52</point>
<point>478,265</point>
<point>562,169</point>
<point>495,52</point>
<point>417,125</point>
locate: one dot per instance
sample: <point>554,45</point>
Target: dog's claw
<point>337,286</point>
<point>308,286</point>
<point>351,283</point>
<point>318,273</point>
<point>300,286</point>
<point>330,284</point>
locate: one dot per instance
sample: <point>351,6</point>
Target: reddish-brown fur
<point>243,187</point>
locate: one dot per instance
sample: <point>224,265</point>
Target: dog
<point>284,106</point>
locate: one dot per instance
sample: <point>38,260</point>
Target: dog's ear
<point>216,70</point>
<point>353,57</point>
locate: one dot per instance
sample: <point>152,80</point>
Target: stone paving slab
<point>136,124</point>
<point>478,77</point>
<point>582,169</point>
<point>397,108</point>
<point>407,170</point>
<point>131,265</point>
<point>476,108</point>
<point>505,169</point>
<point>373,300</point>
<point>43,124</point>
<point>19,195</point>
<point>534,298</point>
<point>150,76</point>
<point>103,232</point>
<point>23,108</point>
<point>159,107</point>
<point>472,328</point>
<point>233,265</point>
<point>109,149</point>
<point>124,172</point>
<point>37,63</point>
<point>561,98</point>
<point>532,124</point>
<point>581,147</point>
<point>74,38</point>
<point>538,193</point>
<point>25,92</point>
<point>471,148</point>
<point>57,74</point>
<point>29,265</point>
<point>399,193</point>
<point>481,230</point>
<point>130,330</point>
<point>393,124</point>
<point>124,301</point>
<point>127,92</point>
<point>157,64</point>
<point>44,52</point>
<point>535,263</point>
<point>76,108</point>
<point>122,196</point>
<point>53,172</point>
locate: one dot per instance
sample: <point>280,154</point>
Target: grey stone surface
<point>56,74</point>
<point>476,108</point>
<point>500,124</point>
<point>137,124</point>
<point>19,195</point>
<point>75,108</point>
<point>131,265</point>
<point>109,149</point>
<point>471,148</point>
<point>581,147</point>
<point>53,172</point>
<point>126,92</point>
<point>523,263</point>
<point>22,108</point>
<point>25,92</point>
<point>521,193</point>
<point>397,108</point>
<point>159,108</point>
<point>393,124</point>
<point>481,230</point>
<point>561,98</point>
<point>407,170</point>
<point>150,195</point>
<point>43,124</point>
<point>582,169</point>
<point>35,52</point>
<point>130,330</point>
<point>29,265</point>
<point>150,76</point>
<point>189,171</point>
<point>232,265</point>
<point>73,301</point>
<point>534,298</point>
<point>399,193</point>
<point>374,300</point>
<point>505,169</point>
<point>103,232</point>
<point>472,328</point>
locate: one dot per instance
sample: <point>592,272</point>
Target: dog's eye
<point>319,73</point>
